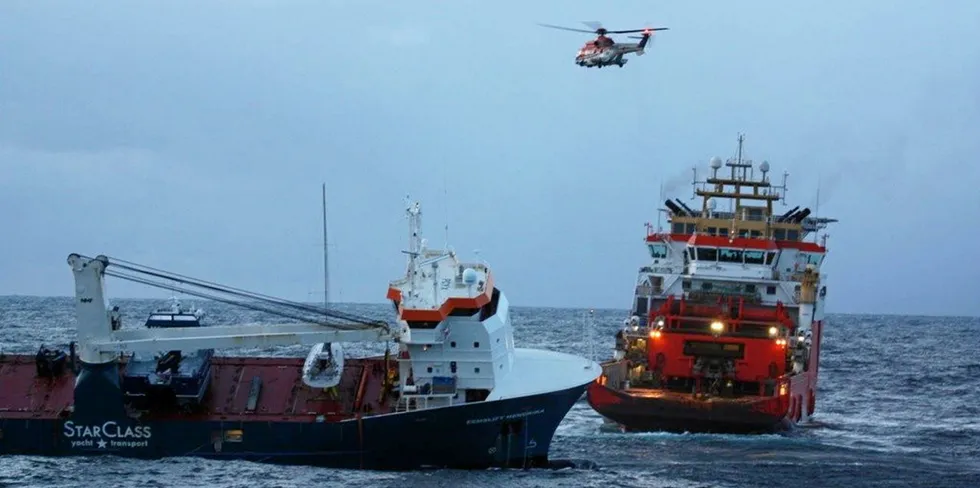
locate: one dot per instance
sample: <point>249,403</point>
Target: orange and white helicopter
<point>603,51</point>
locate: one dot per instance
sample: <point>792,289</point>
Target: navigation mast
<point>326,262</point>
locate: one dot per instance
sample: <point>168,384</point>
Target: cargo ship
<point>456,393</point>
<point>725,327</point>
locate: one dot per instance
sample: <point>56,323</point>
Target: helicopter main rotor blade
<point>567,28</point>
<point>638,30</point>
<point>593,24</point>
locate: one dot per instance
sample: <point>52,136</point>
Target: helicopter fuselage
<point>591,56</point>
<point>603,50</point>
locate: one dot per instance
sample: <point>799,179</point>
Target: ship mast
<point>326,263</point>
<point>742,221</point>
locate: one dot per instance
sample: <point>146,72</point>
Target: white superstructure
<point>744,250</point>
<point>457,341</point>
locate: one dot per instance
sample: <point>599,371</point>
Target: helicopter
<point>603,51</point>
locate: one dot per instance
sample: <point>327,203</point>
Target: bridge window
<point>658,250</point>
<point>779,234</point>
<point>755,257</point>
<point>814,258</point>
<point>723,231</point>
<point>690,228</point>
<point>770,290</point>
<point>707,254</point>
<point>712,231</point>
<point>769,257</point>
<point>678,228</point>
<point>730,256</point>
<point>792,235</point>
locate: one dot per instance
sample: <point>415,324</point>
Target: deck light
<point>717,326</point>
<point>773,331</point>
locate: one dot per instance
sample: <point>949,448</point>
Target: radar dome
<point>712,204</point>
<point>469,276</point>
<point>716,162</point>
<point>764,166</point>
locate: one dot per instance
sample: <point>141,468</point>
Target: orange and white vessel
<point>725,328</point>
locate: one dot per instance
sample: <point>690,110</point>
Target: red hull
<point>284,397</point>
<point>646,409</point>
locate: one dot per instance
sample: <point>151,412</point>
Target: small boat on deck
<point>324,366</point>
<point>173,376</point>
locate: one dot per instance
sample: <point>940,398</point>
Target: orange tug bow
<point>725,330</point>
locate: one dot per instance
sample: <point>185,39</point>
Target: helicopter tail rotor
<point>646,38</point>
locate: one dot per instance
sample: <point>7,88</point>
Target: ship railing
<point>746,328</point>
<point>796,276</point>
<point>409,402</point>
<point>440,391</point>
<point>662,269</point>
<point>713,295</point>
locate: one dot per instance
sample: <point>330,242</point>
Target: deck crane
<point>101,339</point>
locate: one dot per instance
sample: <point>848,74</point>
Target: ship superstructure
<point>726,320</point>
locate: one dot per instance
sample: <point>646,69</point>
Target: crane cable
<point>357,322</point>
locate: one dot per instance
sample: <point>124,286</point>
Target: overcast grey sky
<point>193,136</point>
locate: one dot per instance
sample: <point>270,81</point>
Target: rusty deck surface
<point>282,394</point>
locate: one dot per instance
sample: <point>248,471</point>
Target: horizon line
<point>514,305</point>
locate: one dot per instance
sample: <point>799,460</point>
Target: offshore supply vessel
<point>725,329</point>
<point>456,393</point>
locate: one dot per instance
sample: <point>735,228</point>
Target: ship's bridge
<point>746,240</point>
<point>735,258</point>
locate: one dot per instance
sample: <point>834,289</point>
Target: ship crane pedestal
<point>98,393</point>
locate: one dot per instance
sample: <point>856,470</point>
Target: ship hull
<point>647,410</point>
<point>259,409</point>
<point>514,432</point>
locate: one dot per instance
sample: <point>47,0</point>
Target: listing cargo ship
<point>456,393</point>
<point>725,327</point>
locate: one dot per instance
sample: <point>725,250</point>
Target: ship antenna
<point>414,212</point>
<point>445,201</point>
<point>694,183</point>
<point>816,210</point>
<point>659,213</point>
<point>326,262</point>
<point>741,137</point>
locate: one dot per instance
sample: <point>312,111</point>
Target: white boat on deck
<point>324,365</point>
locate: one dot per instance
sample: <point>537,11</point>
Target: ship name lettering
<point>505,417</point>
<point>109,430</point>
